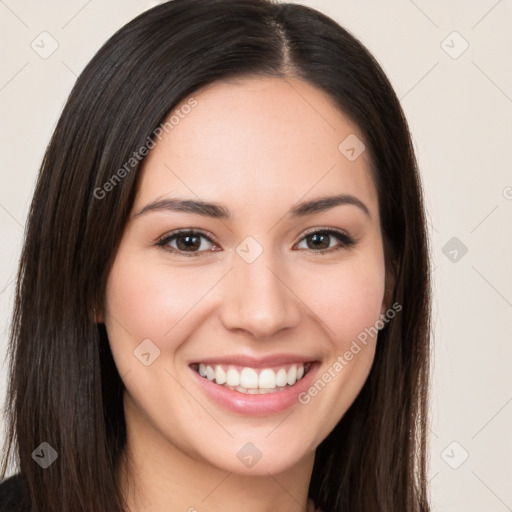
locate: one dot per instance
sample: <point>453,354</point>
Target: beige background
<point>459,105</point>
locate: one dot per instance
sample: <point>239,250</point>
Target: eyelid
<point>163,240</point>
<point>345,239</point>
<point>324,230</point>
<point>194,231</point>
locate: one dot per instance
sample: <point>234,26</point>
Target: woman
<point>223,299</point>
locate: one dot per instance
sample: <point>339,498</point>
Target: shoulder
<point>14,495</point>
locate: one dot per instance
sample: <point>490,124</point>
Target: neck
<point>158,476</point>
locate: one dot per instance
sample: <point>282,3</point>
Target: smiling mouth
<point>253,380</point>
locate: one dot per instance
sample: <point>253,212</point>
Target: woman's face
<point>269,293</point>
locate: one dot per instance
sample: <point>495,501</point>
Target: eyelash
<point>346,241</point>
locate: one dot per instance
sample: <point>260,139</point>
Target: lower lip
<point>254,405</point>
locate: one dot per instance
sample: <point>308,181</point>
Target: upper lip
<point>256,362</point>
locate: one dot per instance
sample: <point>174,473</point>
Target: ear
<point>97,316</point>
<point>389,286</point>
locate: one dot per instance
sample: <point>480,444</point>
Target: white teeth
<point>281,377</point>
<point>267,379</point>
<point>210,374</point>
<point>292,375</point>
<point>249,378</point>
<point>249,381</point>
<point>220,375</point>
<point>240,389</point>
<point>233,378</point>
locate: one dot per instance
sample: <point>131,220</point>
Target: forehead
<point>256,142</point>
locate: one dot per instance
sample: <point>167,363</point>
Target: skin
<point>258,146</point>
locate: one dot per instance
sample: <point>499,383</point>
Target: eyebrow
<point>219,211</point>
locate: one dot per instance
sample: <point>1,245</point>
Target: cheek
<point>153,302</point>
<point>349,303</point>
<point>348,299</point>
<point>152,297</point>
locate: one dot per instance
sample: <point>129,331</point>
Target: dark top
<point>14,495</point>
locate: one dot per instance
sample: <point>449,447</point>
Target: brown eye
<point>320,241</point>
<point>183,242</point>
<point>188,242</point>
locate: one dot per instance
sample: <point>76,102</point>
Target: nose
<point>258,299</point>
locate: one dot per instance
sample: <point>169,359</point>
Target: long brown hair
<point>64,387</point>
